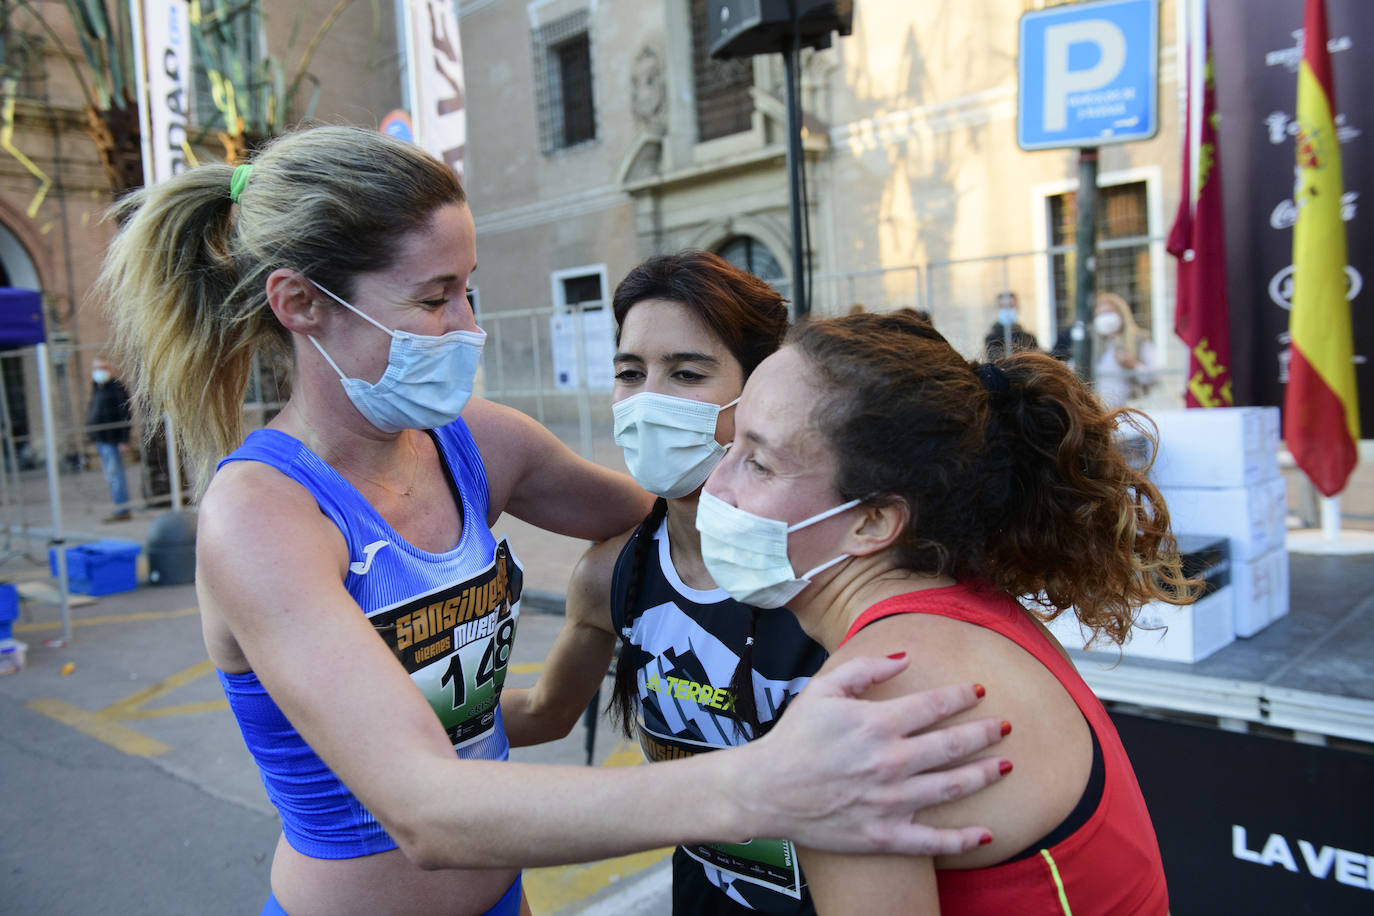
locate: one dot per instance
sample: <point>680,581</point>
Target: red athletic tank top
<point>1111,864</point>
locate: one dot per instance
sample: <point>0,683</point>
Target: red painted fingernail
<point>979,691</point>
<point>1006,728</point>
<point>1004,767</point>
<point>897,655</point>
<point>985,839</point>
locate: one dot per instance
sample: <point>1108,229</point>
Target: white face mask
<point>746,554</point>
<point>100,376</point>
<point>427,382</point>
<point>1107,323</point>
<point>669,443</point>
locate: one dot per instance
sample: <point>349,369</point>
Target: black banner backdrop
<point>1249,824</point>
<point>1257,48</point>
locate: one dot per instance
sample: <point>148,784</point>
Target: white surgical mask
<point>427,382</point>
<point>100,376</point>
<point>746,554</point>
<point>1107,323</point>
<point>669,443</point>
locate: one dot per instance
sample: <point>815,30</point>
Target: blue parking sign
<point>1088,74</point>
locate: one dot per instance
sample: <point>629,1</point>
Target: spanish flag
<point>1321,416</point>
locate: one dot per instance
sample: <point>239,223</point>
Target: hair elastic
<point>993,379</point>
<point>239,180</point>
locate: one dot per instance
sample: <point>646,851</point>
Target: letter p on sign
<point>1063,42</point>
<point>1087,74</point>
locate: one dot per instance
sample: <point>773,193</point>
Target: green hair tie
<point>239,181</point>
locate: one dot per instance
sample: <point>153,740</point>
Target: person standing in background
<point>1007,329</point>
<point>108,420</point>
<point>1125,368</point>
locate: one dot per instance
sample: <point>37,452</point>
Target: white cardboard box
<point>12,653</point>
<point>1254,518</point>
<point>1217,447</point>
<point>1168,632</point>
<point>1191,633</point>
<point>1261,585</point>
<point>1281,585</point>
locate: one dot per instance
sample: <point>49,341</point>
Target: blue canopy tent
<point>21,325</point>
<point>21,318</point>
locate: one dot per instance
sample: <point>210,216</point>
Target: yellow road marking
<point>626,754</point>
<point>124,708</point>
<point>552,889</point>
<point>185,709</point>
<point>526,668</point>
<point>104,725</point>
<point>100,728</point>
<point>111,618</point>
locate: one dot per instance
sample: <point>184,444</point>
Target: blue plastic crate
<point>9,609</point>
<point>101,567</point>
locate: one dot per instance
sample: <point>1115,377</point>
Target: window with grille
<point>723,101</point>
<point>1123,249</point>
<point>563,77</point>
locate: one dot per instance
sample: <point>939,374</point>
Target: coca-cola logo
<point>1285,213</point>
<point>1281,286</point>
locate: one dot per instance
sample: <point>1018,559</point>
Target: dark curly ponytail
<point>1012,471</point>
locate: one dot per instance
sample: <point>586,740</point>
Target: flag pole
<point>1331,518</point>
<point>1197,85</point>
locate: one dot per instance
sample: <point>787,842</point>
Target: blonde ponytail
<point>185,279</point>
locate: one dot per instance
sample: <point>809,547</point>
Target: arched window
<point>748,253</point>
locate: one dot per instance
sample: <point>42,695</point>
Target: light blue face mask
<point>669,442</point>
<point>427,382</point>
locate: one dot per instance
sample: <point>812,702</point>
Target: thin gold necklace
<point>414,474</point>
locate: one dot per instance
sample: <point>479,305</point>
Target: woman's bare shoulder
<point>589,588</point>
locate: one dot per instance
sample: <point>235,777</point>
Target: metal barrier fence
<point>552,364</point>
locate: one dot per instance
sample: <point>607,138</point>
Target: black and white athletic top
<point>685,645</point>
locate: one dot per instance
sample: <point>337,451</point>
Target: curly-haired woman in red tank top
<point>926,497</point>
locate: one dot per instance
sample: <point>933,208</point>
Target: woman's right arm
<point>578,660</point>
<point>836,772</point>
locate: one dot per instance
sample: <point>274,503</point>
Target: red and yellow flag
<point>1320,414</point>
<point>1201,310</point>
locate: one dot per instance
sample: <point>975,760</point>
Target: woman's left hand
<point>847,775</point>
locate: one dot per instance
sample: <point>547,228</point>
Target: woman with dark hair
<point>697,670</point>
<point>356,605</point>
<point>929,496</point>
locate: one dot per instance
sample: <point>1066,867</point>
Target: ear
<point>880,524</point>
<point>294,301</point>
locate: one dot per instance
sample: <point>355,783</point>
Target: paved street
<point>126,786</point>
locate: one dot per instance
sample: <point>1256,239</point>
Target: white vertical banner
<point>439,106</point>
<point>167,52</point>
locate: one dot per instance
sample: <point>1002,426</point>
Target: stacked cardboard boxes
<point>1168,632</point>
<point>1218,471</point>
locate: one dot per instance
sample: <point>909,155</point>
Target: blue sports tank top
<point>449,618</point>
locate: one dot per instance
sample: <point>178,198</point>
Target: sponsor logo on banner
<point>167,43</point>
